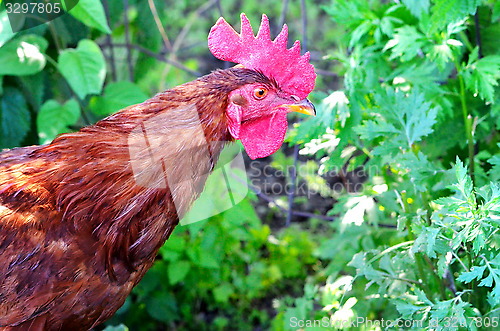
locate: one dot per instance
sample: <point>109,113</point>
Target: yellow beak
<point>303,106</point>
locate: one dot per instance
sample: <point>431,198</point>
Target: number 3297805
<point>33,7</point>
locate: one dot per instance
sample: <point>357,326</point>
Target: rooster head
<point>256,112</point>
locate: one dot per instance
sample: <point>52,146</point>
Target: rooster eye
<point>260,93</point>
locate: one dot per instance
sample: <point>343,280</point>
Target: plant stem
<point>427,206</point>
<point>418,259</point>
<point>467,121</point>
<point>466,41</point>
<point>442,288</point>
<point>472,284</point>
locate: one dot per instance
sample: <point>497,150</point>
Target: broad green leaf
<point>91,13</point>
<point>14,118</point>
<point>117,96</point>
<point>177,271</point>
<point>348,12</point>
<point>5,29</point>
<point>359,32</point>
<point>223,292</point>
<point>35,84</point>
<point>84,68</point>
<point>162,306</point>
<point>417,7</point>
<point>23,55</point>
<point>447,11</point>
<point>496,12</point>
<point>207,260</point>
<point>54,119</point>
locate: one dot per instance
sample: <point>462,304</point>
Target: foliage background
<point>392,202</point>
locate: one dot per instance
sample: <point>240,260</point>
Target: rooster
<point>82,218</point>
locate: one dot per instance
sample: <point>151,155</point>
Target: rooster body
<point>76,232</point>
<point>80,224</point>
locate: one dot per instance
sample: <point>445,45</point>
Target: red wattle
<point>263,136</point>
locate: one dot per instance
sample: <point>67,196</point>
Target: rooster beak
<point>303,106</point>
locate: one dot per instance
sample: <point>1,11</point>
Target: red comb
<point>293,72</point>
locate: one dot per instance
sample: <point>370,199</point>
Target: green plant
<point>420,93</point>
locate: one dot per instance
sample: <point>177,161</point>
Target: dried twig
<point>304,25</point>
<point>219,7</point>
<point>325,72</point>
<point>163,34</point>
<point>180,38</point>
<point>127,42</point>
<point>283,14</point>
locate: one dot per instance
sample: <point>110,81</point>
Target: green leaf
<point>359,32</point>
<point>419,169</point>
<point>223,292</point>
<point>120,327</point>
<point>495,170</point>
<point>475,273</point>
<point>162,306</point>
<point>84,68</point>
<point>23,55</point>
<point>417,7</point>
<point>5,29</point>
<point>431,241</point>
<point>447,11</point>
<point>117,96</point>
<point>177,271</point>
<point>403,121</point>
<point>207,260</point>
<point>488,281</point>
<point>464,181</point>
<point>441,54</point>
<point>35,85</point>
<point>406,43</point>
<point>91,13</point>
<point>406,309</point>
<point>482,76</point>
<point>54,119</point>
<point>496,12</point>
<point>14,118</point>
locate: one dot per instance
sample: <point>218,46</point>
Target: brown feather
<point>77,231</point>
